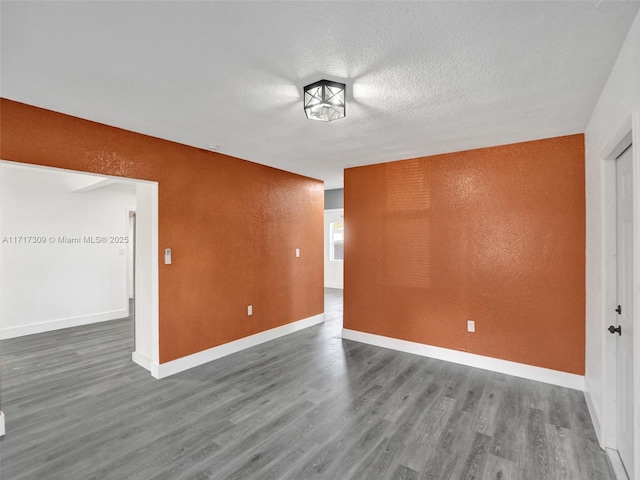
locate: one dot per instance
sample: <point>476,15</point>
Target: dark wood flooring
<point>307,406</point>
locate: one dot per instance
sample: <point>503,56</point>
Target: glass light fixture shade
<point>324,101</point>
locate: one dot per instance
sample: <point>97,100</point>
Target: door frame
<point>130,216</point>
<point>628,133</point>
<point>146,325</point>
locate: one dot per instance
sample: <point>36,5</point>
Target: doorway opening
<point>131,262</point>
<point>623,327</point>
<point>334,248</point>
<point>621,394</point>
<point>334,236</point>
<point>65,241</point>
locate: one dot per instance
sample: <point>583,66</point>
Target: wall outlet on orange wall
<point>250,310</point>
<point>471,326</point>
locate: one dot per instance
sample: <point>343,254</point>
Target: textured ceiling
<point>423,77</point>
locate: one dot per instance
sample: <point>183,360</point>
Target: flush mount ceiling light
<point>324,101</point>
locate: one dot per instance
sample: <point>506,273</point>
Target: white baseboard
<point>2,430</point>
<point>616,464</point>
<point>522,370</point>
<point>333,285</point>
<point>13,332</point>
<point>142,360</point>
<point>163,370</point>
<point>595,418</point>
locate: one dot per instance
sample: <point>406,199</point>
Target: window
<point>336,241</point>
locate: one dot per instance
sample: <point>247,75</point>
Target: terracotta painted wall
<point>495,235</point>
<point>233,225</point>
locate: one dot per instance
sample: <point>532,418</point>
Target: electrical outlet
<point>297,252</point>
<point>250,310</point>
<point>471,326</point>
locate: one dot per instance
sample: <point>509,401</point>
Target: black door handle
<point>619,310</point>
<point>613,329</point>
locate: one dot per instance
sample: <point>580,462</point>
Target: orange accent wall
<point>495,235</point>
<point>233,225</point>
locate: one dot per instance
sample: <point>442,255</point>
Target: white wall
<point>50,285</point>
<point>333,271</point>
<point>619,101</point>
<point>147,353</point>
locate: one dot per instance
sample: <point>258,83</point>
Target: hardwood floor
<point>307,406</point>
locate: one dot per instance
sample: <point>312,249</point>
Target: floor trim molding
<point>142,360</point>
<point>616,464</point>
<point>522,370</point>
<point>42,327</point>
<point>595,418</point>
<point>167,369</point>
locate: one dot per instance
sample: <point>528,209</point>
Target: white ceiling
<point>423,77</point>
<point>36,179</point>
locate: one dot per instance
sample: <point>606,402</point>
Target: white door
<point>624,332</point>
<point>333,248</point>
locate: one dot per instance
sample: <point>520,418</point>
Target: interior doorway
<point>334,231</point>
<point>623,328</point>
<point>131,267</point>
<point>79,236</point>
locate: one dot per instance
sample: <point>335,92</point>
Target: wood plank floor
<point>308,406</point>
